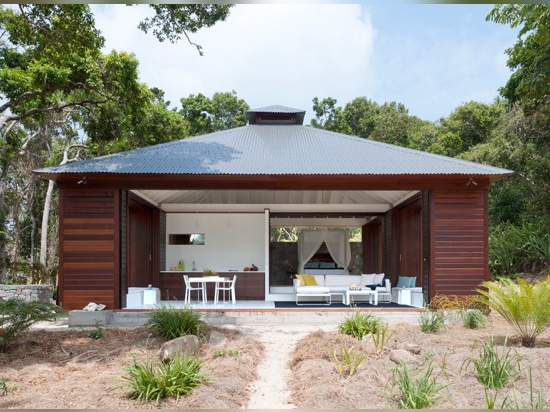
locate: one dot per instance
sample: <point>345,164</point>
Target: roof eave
<point>273,182</point>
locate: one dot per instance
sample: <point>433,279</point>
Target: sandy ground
<point>274,367</point>
<point>270,390</point>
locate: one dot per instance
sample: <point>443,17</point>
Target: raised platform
<point>246,312</point>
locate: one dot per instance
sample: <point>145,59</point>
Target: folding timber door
<point>410,241</point>
<point>140,238</point>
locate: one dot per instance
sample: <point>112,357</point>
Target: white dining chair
<point>201,293</point>
<point>225,286</point>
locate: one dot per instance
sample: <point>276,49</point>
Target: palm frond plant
<point>524,305</point>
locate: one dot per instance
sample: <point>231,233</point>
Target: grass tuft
<point>171,323</point>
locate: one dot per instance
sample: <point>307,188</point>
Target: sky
<point>430,57</point>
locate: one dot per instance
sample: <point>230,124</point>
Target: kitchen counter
<point>250,285</point>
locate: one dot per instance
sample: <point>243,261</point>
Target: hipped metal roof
<point>275,149</point>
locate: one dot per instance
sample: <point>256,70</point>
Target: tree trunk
<point>45,222</point>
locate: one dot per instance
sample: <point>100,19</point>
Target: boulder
<point>184,345</point>
<point>400,356</point>
<point>217,338</point>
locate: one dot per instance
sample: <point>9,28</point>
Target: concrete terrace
<point>245,313</point>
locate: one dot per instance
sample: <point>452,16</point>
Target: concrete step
<point>234,317</point>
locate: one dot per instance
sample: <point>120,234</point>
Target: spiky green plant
<point>170,322</point>
<point>348,360</point>
<point>17,315</point>
<point>360,324</point>
<point>418,392</point>
<point>525,306</point>
<point>177,377</point>
<point>494,369</point>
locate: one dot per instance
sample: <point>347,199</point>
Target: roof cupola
<point>276,115</point>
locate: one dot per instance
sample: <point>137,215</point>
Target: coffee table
<point>362,292</point>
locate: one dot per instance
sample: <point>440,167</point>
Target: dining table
<point>204,280</point>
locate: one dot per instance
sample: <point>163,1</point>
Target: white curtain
<point>309,242</point>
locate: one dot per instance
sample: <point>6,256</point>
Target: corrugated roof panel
<point>276,150</point>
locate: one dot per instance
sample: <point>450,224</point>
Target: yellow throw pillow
<point>307,280</point>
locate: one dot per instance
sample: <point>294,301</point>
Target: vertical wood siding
<point>426,245</point>
<point>89,248</point>
<point>459,251</point>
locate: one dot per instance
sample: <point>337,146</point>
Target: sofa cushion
<point>342,280</point>
<point>312,289</point>
<point>406,282</point>
<point>307,280</point>
<point>379,278</point>
<point>367,279</point>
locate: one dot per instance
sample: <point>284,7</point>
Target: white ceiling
<point>280,202</point>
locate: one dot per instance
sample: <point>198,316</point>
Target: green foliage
<point>96,333</point>
<point>418,392</point>
<point>523,248</point>
<point>17,315</point>
<point>525,306</point>
<point>222,112</point>
<point>473,318</point>
<point>3,386</point>
<point>360,324</point>
<point>494,369</point>
<point>177,377</point>
<point>381,337</point>
<point>171,21</point>
<point>171,323</point>
<point>432,321</point>
<point>226,352</point>
<point>348,360</point>
<point>528,58</point>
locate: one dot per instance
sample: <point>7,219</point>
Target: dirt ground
<point>69,370</point>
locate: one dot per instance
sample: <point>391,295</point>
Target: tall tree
<point>51,63</point>
<point>172,21</point>
<point>223,111</point>
<point>328,116</point>
<point>529,57</point>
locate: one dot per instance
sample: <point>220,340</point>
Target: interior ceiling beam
<point>358,210</point>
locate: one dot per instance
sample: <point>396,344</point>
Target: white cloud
<point>432,58</point>
<point>269,54</point>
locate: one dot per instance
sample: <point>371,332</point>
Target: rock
<point>413,348</point>
<point>91,307</point>
<point>400,356</point>
<point>217,338</point>
<point>184,345</point>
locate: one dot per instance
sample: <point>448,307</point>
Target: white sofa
<point>334,282</point>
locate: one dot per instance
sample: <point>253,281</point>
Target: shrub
<point>96,333</point>
<point>17,315</point>
<point>176,377</point>
<point>493,369</point>
<point>171,323</point>
<point>432,321</point>
<point>519,248</point>
<point>416,393</point>
<point>360,324</point>
<point>456,302</point>
<point>525,306</point>
<point>473,318</point>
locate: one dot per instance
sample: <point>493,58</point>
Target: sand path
<point>270,390</point>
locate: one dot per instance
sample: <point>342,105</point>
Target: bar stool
<point>189,288</point>
<point>225,286</point>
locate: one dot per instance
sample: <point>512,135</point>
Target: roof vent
<point>276,115</point>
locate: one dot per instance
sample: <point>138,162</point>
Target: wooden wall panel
<point>459,241</point>
<point>89,248</point>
